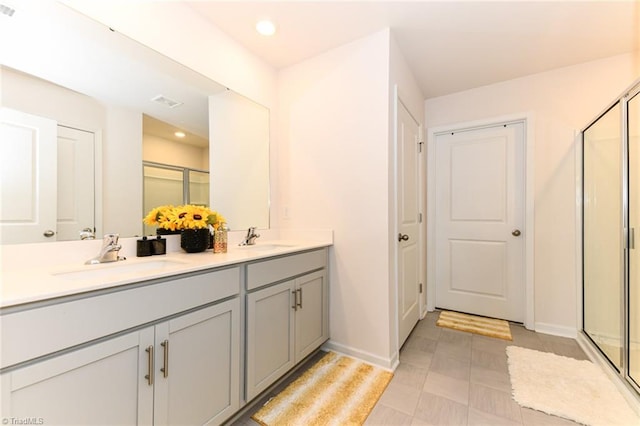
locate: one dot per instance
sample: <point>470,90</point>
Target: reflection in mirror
<point>170,185</point>
<point>47,167</point>
<point>239,131</point>
<point>114,80</point>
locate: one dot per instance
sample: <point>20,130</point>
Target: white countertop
<point>27,282</point>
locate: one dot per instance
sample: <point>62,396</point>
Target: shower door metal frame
<point>624,371</point>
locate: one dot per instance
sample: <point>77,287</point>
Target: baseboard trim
<point>386,363</point>
<point>556,330</point>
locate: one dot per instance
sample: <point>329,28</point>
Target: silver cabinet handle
<point>515,232</point>
<point>299,304</point>
<point>48,233</point>
<point>295,300</point>
<point>150,363</point>
<point>165,367</point>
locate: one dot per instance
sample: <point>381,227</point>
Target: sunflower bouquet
<point>188,216</point>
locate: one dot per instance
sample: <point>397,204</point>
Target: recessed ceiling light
<point>266,27</point>
<point>180,134</point>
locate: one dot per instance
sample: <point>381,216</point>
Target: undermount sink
<point>266,246</point>
<point>116,269</point>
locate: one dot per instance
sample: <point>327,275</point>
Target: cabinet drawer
<point>270,271</point>
<point>40,331</point>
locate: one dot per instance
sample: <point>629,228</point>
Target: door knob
<point>48,233</point>
<point>403,237</point>
<point>515,232</point>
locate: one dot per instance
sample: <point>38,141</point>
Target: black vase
<point>162,231</point>
<point>194,240</point>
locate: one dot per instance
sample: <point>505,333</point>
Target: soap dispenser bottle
<point>159,245</point>
<point>220,239</point>
<point>143,247</point>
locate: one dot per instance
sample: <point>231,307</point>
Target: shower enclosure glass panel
<point>602,220</point>
<point>633,131</point>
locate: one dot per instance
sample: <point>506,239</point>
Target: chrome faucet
<point>87,234</point>
<point>108,252</point>
<point>250,239</point>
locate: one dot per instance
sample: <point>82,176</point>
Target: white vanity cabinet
<point>286,315</point>
<point>183,368</point>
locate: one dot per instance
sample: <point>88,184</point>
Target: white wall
<point>562,101</point>
<point>334,160</point>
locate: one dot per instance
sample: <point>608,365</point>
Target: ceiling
<point>450,45</point>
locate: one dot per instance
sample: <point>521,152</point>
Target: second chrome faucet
<point>250,238</point>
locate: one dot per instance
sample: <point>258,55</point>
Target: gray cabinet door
<point>198,366</point>
<point>270,335</point>
<point>100,384</point>
<point>312,319</point>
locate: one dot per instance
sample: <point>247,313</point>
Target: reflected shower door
<point>633,129</point>
<point>162,186</point>
<point>602,234</point>
<point>198,188</point>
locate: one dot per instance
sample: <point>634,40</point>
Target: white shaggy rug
<point>574,389</point>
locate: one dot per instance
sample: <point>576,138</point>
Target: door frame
<point>528,120</point>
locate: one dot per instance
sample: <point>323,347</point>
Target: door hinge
<point>420,146</point>
<point>419,217</point>
<point>420,288</point>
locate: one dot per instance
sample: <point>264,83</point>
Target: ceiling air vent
<point>6,10</point>
<point>166,101</point>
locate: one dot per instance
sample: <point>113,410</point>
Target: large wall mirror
<point>83,107</point>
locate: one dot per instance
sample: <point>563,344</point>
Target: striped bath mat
<point>475,324</point>
<point>337,390</point>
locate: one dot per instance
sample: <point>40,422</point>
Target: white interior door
<point>480,220</point>
<point>408,138</point>
<point>76,182</point>
<point>27,177</point>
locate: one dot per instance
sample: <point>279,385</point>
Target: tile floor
<point>448,377</point>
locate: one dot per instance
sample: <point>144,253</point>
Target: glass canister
<point>220,239</point>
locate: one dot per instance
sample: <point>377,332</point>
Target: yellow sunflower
<point>157,216</point>
<point>183,217</point>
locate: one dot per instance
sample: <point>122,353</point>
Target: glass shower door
<point>603,272</point>
<point>633,131</point>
